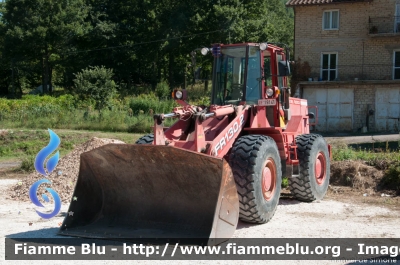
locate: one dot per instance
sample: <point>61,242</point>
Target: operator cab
<point>237,72</point>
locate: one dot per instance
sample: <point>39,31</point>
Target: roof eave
<point>330,3</point>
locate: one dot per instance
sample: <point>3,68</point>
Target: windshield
<point>230,74</point>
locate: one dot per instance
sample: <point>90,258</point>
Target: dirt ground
<point>356,210</point>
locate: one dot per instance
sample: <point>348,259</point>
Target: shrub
<point>201,101</point>
<point>162,90</point>
<point>285,183</point>
<point>344,153</point>
<point>28,164</point>
<point>150,104</point>
<point>96,83</point>
<point>391,179</point>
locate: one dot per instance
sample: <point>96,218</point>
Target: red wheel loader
<point>216,164</point>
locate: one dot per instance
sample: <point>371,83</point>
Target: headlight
<point>204,51</point>
<point>270,92</point>
<point>178,94</point>
<point>263,46</point>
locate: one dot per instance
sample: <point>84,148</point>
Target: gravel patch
<point>64,176</point>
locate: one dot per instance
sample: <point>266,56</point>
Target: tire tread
<point>300,186</point>
<point>146,139</point>
<point>243,161</point>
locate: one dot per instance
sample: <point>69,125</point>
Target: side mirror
<point>311,115</point>
<point>284,68</point>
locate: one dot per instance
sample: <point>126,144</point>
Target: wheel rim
<point>269,180</point>
<point>320,168</point>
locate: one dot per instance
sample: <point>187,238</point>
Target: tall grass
<point>386,160</point>
<point>133,114</point>
<point>149,103</point>
<point>127,114</point>
<point>198,96</point>
<point>340,153</point>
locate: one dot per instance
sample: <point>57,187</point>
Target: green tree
<point>253,21</point>
<point>96,83</point>
<point>42,30</point>
<point>142,41</point>
<point>92,48</point>
<point>4,70</point>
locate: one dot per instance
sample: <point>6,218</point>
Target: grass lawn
<point>22,144</point>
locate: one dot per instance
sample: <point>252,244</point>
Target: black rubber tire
<point>305,187</point>
<point>247,159</point>
<point>146,139</point>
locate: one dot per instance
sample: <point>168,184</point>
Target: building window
<point>396,65</point>
<point>331,19</point>
<point>329,66</point>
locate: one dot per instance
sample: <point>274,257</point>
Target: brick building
<point>353,48</point>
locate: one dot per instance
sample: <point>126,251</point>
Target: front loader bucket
<point>147,191</point>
